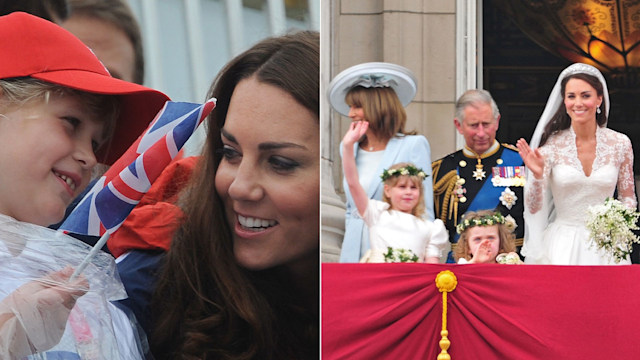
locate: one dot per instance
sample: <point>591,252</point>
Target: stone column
<point>332,207</point>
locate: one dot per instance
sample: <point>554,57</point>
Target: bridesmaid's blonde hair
<point>391,181</point>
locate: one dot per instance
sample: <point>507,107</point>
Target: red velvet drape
<point>394,311</point>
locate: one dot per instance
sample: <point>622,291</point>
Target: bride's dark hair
<point>561,120</point>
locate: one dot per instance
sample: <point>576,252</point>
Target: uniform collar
<point>492,150</point>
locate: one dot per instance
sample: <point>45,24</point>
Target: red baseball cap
<point>34,47</point>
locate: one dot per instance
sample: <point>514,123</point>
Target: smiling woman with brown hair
<point>574,162</point>
<point>241,279</point>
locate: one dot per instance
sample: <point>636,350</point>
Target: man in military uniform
<point>484,174</point>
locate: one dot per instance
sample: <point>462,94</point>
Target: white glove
<point>34,316</point>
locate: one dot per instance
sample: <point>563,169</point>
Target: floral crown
<point>408,170</point>
<point>487,220</point>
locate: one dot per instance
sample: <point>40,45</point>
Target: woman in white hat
<point>377,92</point>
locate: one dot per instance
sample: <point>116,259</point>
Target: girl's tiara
<point>487,220</point>
<point>408,170</point>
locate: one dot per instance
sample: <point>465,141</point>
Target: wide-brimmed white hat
<point>372,74</point>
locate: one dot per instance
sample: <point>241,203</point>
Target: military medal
<point>508,198</point>
<point>460,190</point>
<point>508,176</point>
<point>479,172</point>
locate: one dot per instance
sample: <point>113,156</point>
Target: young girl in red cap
<point>60,114</point>
<point>397,231</point>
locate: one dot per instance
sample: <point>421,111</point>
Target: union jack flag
<point>105,207</point>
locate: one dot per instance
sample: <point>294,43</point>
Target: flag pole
<point>103,240</point>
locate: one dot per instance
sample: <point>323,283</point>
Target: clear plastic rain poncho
<point>38,317</point>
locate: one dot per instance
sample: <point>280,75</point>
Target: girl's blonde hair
<point>391,181</point>
<point>507,238</point>
<point>382,109</point>
<point>16,92</point>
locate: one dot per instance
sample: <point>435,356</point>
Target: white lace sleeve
<point>537,187</point>
<point>626,185</point>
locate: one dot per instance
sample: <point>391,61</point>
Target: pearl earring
<point>598,110</point>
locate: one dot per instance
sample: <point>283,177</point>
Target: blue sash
<point>488,196</point>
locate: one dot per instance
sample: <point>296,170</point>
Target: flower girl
<point>397,231</point>
<point>486,237</point>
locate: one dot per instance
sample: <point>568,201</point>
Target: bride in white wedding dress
<point>574,161</point>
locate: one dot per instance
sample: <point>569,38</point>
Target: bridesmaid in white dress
<point>396,226</point>
<point>574,161</point>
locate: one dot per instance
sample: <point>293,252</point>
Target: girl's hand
<point>483,254</point>
<point>356,130</point>
<point>533,159</point>
<point>349,168</point>
<point>34,316</point>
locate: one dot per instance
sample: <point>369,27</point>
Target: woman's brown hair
<point>206,306</point>
<point>561,120</point>
<point>382,109</point>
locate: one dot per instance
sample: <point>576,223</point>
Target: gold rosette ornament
<point>446,282</point>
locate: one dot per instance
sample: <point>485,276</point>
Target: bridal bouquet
<point>610,225</point>
<point>400,255</point>
<point>508,258</point>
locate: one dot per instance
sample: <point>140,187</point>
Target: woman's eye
<point>229,153</point>
<point>280,163</point>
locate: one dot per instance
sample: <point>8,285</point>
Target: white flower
<point>510,223</point>
<point>508,258</point>
<point>395,255</point>
<point>610,226</point>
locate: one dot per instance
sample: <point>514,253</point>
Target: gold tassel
<point>443,189</point>
<point>455,213</point>
<point>446,282</point>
